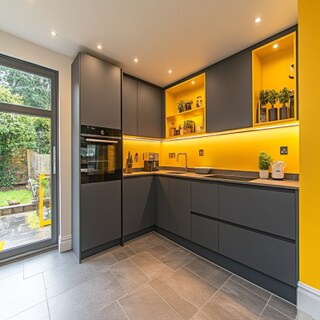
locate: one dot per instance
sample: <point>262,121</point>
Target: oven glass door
<point>100,160</point>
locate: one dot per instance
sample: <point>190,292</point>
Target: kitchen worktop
<point>286,184</point>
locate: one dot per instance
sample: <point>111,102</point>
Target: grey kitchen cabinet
<point>205,232</point>
<point>205,198</point>
<point>100,92</point>
<point>229,93</point>
<point>142,108</point>
<point>130,106</point>
<point>173,205</point>
<point>266,254</point>
<point>138,204</point>
<point>267,209</point>
<point>100,213</point>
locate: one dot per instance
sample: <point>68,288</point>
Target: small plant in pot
<point>284,97</point>
<point>187,126</point>
<point>264,164</point>
<point>263,98</point>
<point>273,98</point>
<point>181,106</point>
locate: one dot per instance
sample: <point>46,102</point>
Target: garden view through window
<point>25,158</point>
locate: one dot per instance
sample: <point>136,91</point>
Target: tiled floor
<point>149,278</point>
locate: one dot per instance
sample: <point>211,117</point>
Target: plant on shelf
<point>188,126</point>
<point>284,97</point>
<point>263,98</point>
<point>264,164</point>
<point>181,106</point>
<point>272,99</point>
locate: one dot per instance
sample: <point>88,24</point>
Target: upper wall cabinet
<point>142,108</point>
<point>274,68</point>
<point>229,94</point>
<point>185,108</point>
<point>100,92</point>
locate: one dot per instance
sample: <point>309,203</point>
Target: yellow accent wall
<point>309,84</point>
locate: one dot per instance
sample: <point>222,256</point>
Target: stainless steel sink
<point>229,177</point>
<point>177,172</point>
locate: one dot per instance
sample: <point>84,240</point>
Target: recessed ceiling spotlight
<point>135,60</point>
<point>170,71</point>
<point>99,46</point>
<point>275,46</point>
<point>53,33</point>
<point>257,20</point>
<point>192,82</point>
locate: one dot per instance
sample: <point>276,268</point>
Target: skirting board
<point>309,300</point>
<point>65,243</point>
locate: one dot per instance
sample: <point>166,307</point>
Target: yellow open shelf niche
<point>271,70</point>
<point>186,91</point>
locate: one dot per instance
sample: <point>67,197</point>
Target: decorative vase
<point>264,174</point>
<point>263,113</point>
<point>273,114</point>
<point>291,107</point>
<point>283,112</point>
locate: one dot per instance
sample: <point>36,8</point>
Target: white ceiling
<point>182,35</point>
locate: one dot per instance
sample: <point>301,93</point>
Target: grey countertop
<point>285,184</point>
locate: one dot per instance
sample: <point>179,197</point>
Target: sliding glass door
<point>28,152</point>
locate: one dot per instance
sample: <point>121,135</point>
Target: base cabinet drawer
<point>274,257</point>
<point>205,232</point>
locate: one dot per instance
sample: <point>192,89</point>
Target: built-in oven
<point>100,154</point>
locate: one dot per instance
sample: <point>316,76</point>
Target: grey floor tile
<point>270,313</point>
<point>303,316</point>
<point>190,287</point>
<point>84,300</point>
<point>211,273</point>
<point>252,287</point>
<point>122,253</point>
<point>128,275</point>
<point>10,269</point>
<point>200,316</point>
<point>39,312</point>
<point>176,258</point>
<point>159,251</point>
<point>47,261</point>
<point>184,308</point>
<point>18,295</point>
<point>144,243</point>
<point>100,262</point>
<point>233,301</point>
<point>283,306</point>
<point>149,265</point>
<point>146,304</point>
<point>111,312</point>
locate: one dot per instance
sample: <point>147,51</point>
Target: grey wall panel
<point>138,204</point>
<point>229,94</point>
<point>265,209</point>
<point>205,232</point>
<point>100,88</point>
<point>100,213</point>
<point>130,106</point>
<point>271,256</point>
<point>205,198</point>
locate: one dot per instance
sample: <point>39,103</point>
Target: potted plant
<point>187,126</point>
<point>264,164</point>
<point>273,98</point>
<point>263,98</point>
<point>284,97</point>
<point>181,106</point>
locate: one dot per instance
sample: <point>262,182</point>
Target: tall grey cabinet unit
<point>229,93</point>
<point>142,108</point>
<point>96,207</point>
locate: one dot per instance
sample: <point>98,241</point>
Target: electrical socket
<point>172,155</point>
<point>283,150</point>
<point>201,152</point>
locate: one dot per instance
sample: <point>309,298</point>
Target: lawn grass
<point>22,195</point>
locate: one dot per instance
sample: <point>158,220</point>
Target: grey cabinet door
<point>180,207</point>
<point>229,94</point>
<point>205,232</point>
<point>130,106</point>
<point>149,111</point>
<point>100,213</point>
<point>205,198</point>
<point>266,209</point>
<point>100,91</point>
<point>162,202</point>
<point>269,255</point>
<point>138,204</point>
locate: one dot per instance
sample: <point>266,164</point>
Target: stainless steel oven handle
<point>102,141</point>
<point>98,136</point>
